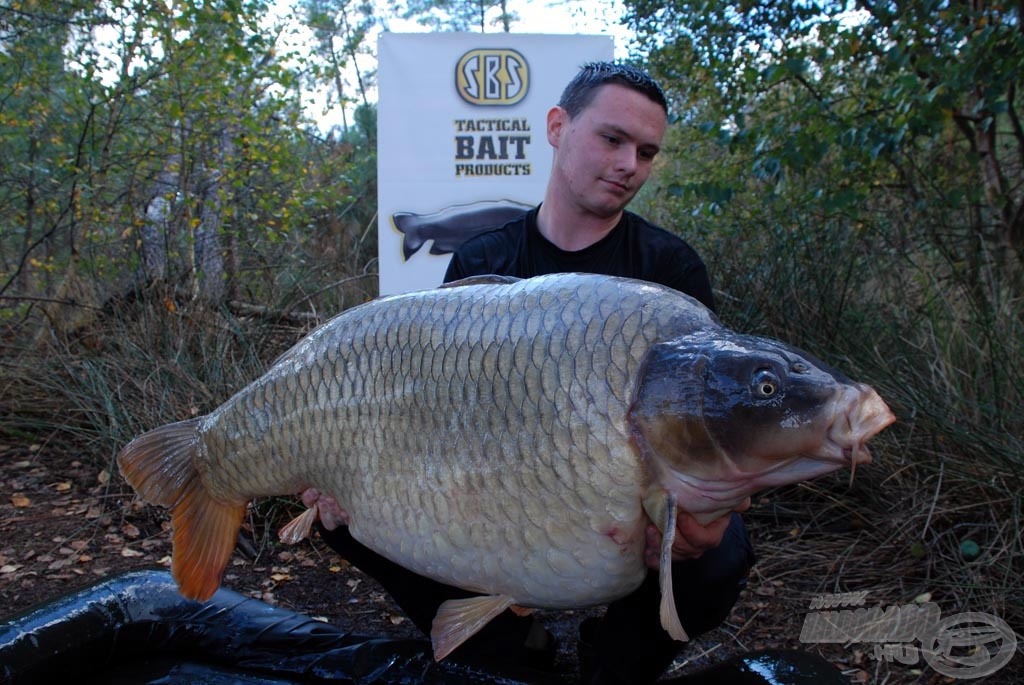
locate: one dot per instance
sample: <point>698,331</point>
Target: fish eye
<point>765,384</point>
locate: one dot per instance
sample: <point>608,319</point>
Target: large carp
<point>509,437</point>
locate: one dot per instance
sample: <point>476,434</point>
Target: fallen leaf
<point>19,500</point>
<point>129,552</point>
<point>9,568</point>
<point>130,530</point>
<point>396,619</point>
<point>103,477</point>
<point>62,487</point>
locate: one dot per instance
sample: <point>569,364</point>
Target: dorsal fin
<point>488,279</point>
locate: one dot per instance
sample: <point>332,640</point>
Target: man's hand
<point>692,538</point>
<point>330,514</point>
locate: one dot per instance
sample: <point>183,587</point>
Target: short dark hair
<point>580,91</point>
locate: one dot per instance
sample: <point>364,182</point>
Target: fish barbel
<point>508,437</point>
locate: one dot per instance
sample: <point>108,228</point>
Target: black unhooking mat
<point>135,628</point>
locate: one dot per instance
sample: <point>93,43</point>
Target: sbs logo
<point>492,77</point>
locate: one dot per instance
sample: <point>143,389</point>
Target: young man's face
<point>604,155</point>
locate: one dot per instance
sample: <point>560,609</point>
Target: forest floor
<point>65,525</point>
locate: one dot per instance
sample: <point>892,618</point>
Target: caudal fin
<point>160,466</point>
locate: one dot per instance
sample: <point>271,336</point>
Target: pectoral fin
<point>661,508</point>
<point>459,619</point>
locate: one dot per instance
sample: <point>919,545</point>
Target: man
<point>605,132</point>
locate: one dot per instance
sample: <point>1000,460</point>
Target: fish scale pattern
<point>476,434</point>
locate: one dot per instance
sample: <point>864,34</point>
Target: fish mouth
<point>862,415</point>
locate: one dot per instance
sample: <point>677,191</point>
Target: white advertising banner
<point>462,145</point>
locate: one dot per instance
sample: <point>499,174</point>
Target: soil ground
<point>65,524</point>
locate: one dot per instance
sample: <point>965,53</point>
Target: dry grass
<point>946,473</point>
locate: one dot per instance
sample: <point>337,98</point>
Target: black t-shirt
<point>634,249</point>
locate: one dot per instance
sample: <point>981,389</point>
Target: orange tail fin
<point>160,465</point>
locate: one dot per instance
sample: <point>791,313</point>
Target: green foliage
<point>856,177</point>
<point>459,15</point>
<point>169,221</point>
<point>159,142</point>
<point>341,29</point>
<point>853,177</point>
<point>795,82</point>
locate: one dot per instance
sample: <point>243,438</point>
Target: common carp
<point>509,437</point>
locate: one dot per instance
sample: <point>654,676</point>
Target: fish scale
<point>409,424</point>
<point>508,438</point>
